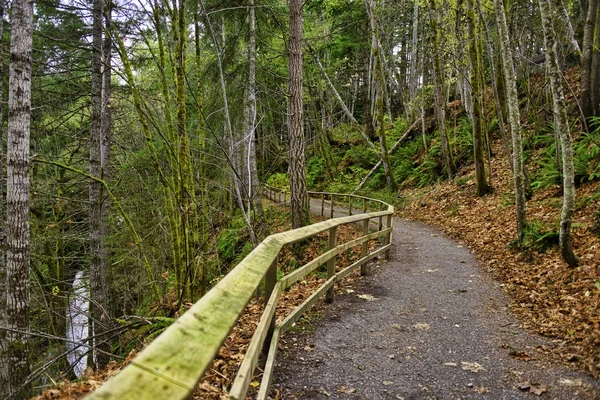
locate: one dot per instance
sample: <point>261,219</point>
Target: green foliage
<point>279,180</point>
<point>461,142</point>
<point>537,236</point>
<point>586,157</point>
<point>359,156</point>
<point>229,243</point>
<point>413,167</point>
<point>315,171</point>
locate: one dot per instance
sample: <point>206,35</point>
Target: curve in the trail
<point>428,324</point>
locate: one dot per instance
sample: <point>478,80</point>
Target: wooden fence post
<point>323,205</point>
<point>270,281</point>
<point>331,262</point>
<point>388,237</point>
<point>381,218</point>
<point>349,205</point>
<point>365,246</point>
<point>331,211</point>
<point>364,206</point>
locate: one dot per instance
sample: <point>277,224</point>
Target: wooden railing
<point>171,366</point>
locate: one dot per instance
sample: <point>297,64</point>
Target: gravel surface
<point>428,324</point>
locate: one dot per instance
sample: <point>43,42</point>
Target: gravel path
<point>428,324</point>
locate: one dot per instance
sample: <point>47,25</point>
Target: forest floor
<point>549,298</point>
<point>436,324</point>
<point>430,323</point>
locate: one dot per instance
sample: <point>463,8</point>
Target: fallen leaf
<point>524,386</point>
<point>255,384</point>
<point>451,364</point>
<point>343,389</point>
<point>367,297</point>
<point>422,325</point>
<point>309,347</point>
<point>325,392</point>
<point>472,366</point>
<point>481,389</point>
<point>538,390</point>
<point>569,382</point>
<point>387,383</point>
<point>520,355</point>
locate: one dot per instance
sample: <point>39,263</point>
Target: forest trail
<point>428,324</point>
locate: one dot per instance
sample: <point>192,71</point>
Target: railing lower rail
<point>171,366</point>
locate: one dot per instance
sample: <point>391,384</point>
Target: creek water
<point>78,323</point>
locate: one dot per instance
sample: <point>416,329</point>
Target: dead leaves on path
<point>547,295</point>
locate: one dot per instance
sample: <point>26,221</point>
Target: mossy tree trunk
<point>379,94</point>
<point>562,128</point>
<point>477,96</point>
<point>512,102</point>
<point>440,103</point>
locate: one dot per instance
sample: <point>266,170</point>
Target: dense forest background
<point>153,125</point>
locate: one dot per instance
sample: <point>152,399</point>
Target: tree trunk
<point>99,292</point>
<point>3,343</point>
<point>440,103</point>
<point>17,199</point>
<point>595,80</point>
<point>254,203</point>
<point>413,82</point>
<point>297,174</point>
<point>476,96</point>
<point>588,50</point>
<point>562,128</point>
<point>495,78</point>
<point>379,94</point>
<point>512,102</point>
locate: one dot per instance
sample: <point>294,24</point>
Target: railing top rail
<point>173,363</point>
<point>356,196</point>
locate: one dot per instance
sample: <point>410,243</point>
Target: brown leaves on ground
<point>549,297</point>
<point>219,376</point>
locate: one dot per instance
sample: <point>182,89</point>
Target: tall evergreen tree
<point>98,255</point>
<point>17,200</point>
<point>297,173</point>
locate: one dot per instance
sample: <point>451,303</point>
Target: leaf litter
<point>219,376</point>
<point>549,297</point>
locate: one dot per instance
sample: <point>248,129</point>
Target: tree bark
<point>562,128</point>
<point>476,96</point>
<point>440,103</point>
<point>17,199</point>
<point>379,94</point>
<point>3,343</point>
<point>253,200</point>
<point>413,82</point>
<point>99,292</point>
<point>587,104</point>
<point>297,173</point>
<point>512,102</point>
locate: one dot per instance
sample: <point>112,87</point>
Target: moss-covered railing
<point>171,366</point>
